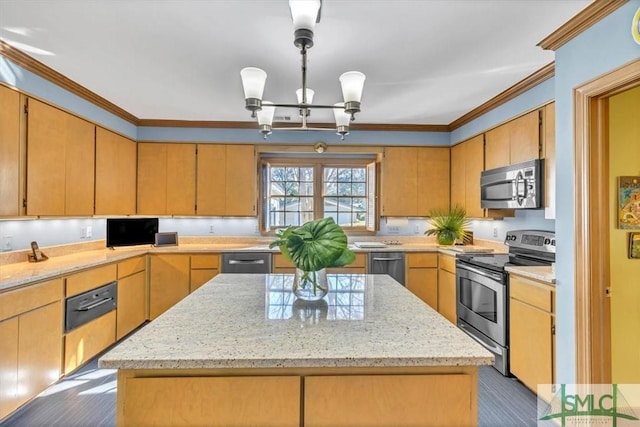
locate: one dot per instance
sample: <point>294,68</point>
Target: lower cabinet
<point>132,295</point>
<point>531,335</point>
<point>281,265</point>
<point>212,401</point>
<point>422,276</point>
<point>168,281</point>
<point>443,397</point>
<point>447,287</point>
<point>30,342</point>
<point>81,344</point>
<point>203,268</point>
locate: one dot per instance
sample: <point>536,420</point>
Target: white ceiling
<point>426,61</point>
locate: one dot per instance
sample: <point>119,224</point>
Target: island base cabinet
<point>210,401</point>
<point>389,400</point>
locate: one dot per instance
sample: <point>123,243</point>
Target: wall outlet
<point>211,229</point>
<point>6,243</point>
<point>89,231</point>
<point>495,231</point>
<point>83,232</point>
<point>393,230</point>
<point>416,229</point>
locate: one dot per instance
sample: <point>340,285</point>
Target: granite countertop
<point>24,273</point>
<point>541,273</point>
<point>254,321</point>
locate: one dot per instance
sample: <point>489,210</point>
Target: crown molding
<point>37,67</point>
<point>519,88</point>
<point>579,23</point>
<point>252,125</point>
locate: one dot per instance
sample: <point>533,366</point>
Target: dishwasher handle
<point>246,261</point>
<point>386,259</point>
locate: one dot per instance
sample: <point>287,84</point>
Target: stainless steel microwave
<point>516,186</point>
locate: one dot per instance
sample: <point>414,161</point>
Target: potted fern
<point>448,224</point>
<point>313,247</point>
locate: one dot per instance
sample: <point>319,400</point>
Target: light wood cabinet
<point>115,190</point>
<point>467,163</point>
<point>12,152</point>
<point>447,287</point>
<point>230,401</point>
<point>422,276</point>
<point>166,179</point>
<point>415,180</point>
<point>281,265</point>
<point>84,342</point>
<point>203,268</point>
<point>30,342</point>
<point>514,142</point>
<point>132,295</point>
<point>549,155</point>
<point>531,331</point>
<point>168,281</point>
<point>60,162</point>
<point>227,178</point>
<point>389,400</point>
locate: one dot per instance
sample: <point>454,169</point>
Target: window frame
<point>318,165</point>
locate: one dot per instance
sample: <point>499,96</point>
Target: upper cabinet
<point>467,163</point>
<point>60,162</point>
<point>514,142</point>
<point>166,179</point>
<point>549,154</point>
<point>227,178</point>
<point>415,180</point>
<point>11,152</point>
<point>115,190</point>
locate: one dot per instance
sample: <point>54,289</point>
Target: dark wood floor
<point>88,399</point>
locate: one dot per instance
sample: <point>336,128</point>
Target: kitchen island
<point>241,350</point>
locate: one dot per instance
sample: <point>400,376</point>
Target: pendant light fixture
<point>305,14</point>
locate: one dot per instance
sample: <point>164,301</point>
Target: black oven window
<point>479,299</point>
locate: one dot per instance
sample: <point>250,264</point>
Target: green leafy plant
<point>448,225</point>
<point>313,246</point>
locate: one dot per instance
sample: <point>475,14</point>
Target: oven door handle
<point>496,277</point>
<point>489,346</point>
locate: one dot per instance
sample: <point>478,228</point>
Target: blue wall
<point>604,47</point>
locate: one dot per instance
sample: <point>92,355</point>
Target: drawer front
<point>90,279</point>
<point>83,343</point>
<point>22,300</point>
<point>131,266</point>
<point>428,260</point>
<point>447,263</point>
<point>279,261</point>
<point>205,261</point>
<point>360,261</point>
<point>531,292</point>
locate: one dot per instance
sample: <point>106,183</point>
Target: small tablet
<point>167,239</point>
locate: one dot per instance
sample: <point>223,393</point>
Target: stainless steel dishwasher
<point>391,263</point>
<point>246,262</point>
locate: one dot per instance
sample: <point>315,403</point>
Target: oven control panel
<point>538,240</point>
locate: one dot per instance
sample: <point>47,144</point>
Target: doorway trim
<point>591,214</point>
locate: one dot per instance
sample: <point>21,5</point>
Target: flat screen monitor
<point>131,231</point>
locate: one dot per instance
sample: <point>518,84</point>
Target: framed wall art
<point>634,245</point>
<point>629,202</point>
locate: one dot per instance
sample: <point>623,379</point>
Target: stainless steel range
<point>482,289</point>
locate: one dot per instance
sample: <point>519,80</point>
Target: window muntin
<point>296,191</point>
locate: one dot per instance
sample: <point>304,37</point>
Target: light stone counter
<point>254,321</point>
<point>541,273</point>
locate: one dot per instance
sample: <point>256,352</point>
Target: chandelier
<point>305,14</point>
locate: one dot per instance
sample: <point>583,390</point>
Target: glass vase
<point>310,285</point>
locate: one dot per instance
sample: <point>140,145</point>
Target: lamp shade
<point>304,13</point>
<point>265,116</point>
<point>310,94</point>
<point>352,83</point>
<point>253,80</point>
<point>342,118</point>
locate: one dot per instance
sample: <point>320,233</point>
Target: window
<point>295,191</point>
